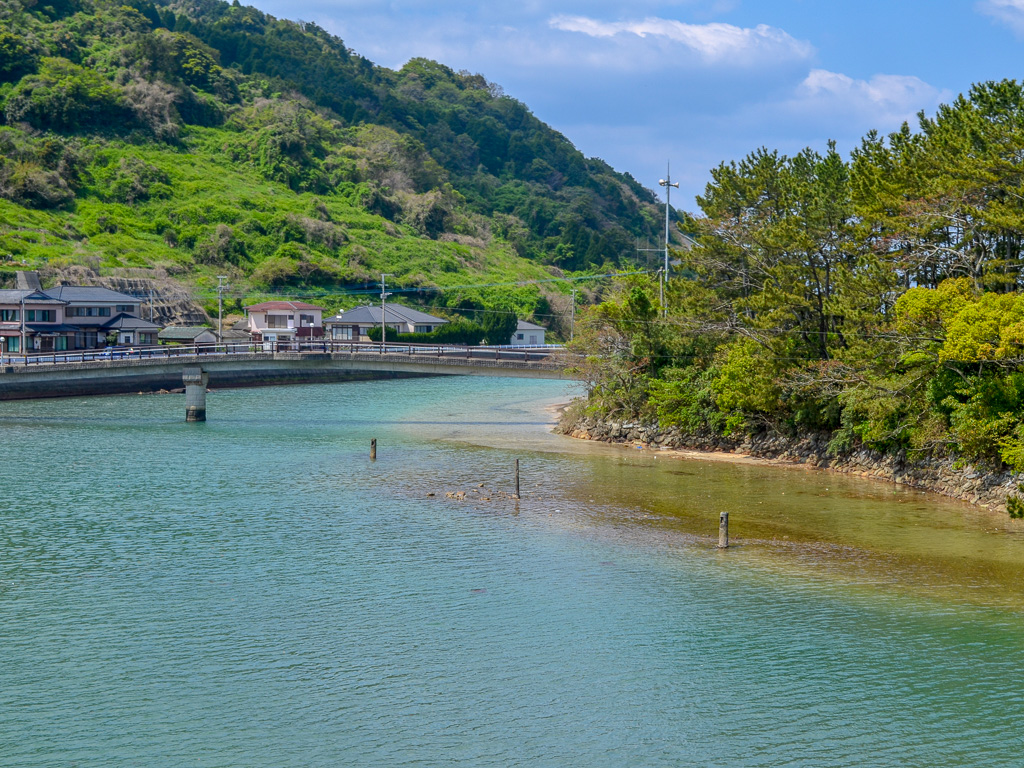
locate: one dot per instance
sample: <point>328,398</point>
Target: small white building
<point>274,321</point>
<point>528,335</point>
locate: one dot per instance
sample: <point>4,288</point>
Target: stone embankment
<point>944,476</point>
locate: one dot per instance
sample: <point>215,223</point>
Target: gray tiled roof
<point>188,332</point>
<point>44,328</point>
<point>126,322</point>
<point>9,296</point>
<point>90,293</point>
<point>394,313</point>
<point>525,325</point>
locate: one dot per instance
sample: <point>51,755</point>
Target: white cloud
<point>884,101</point>
<point>1009,12</point>
<point>713,43</point>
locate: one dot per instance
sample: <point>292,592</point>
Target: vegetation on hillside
<point>205,138</point>
<point>876,298</point>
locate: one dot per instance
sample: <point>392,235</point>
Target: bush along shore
<point>999,491</point>
<point>877,299</point>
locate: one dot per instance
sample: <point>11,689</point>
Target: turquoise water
<point>253,591</point>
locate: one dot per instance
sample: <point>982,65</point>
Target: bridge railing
<point>537,354</point>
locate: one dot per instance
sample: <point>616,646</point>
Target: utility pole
<point>383,327</point>
<point>24,352</point>
<point>572,316</point>
<point>667,184</point>
<point>220,306</point>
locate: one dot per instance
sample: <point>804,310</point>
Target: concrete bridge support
<point>195,380</point>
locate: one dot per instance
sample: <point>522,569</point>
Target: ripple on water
<point>254,592</point>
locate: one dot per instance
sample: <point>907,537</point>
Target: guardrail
<point>527,354</point>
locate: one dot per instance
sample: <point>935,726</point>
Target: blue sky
<point>697,82</point>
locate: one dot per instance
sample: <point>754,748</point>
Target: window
<point>9,315</point>
<point>40,315</point>
<point>342,332</point>
<point>13,344</point>
<point>519,336</point>
<point>305,321</point>
<point>127,308</point>
<point>60,344</point>
<point>277,321</point>
<point>87,311</point>
<point>424,328</point>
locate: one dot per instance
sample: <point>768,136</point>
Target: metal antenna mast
<point>667,184</point>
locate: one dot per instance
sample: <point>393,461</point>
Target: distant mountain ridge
<point>200,137</point>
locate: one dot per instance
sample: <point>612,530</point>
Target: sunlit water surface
<point>253,591</point>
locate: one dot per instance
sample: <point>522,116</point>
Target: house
<point>67,317</point>
<point>284,321</point>
<point>354,324</point>
<point>188,334</point>
<point>528,335</point>
<point>131,330</point>
<point>33,321</point>
<point>90,308</point>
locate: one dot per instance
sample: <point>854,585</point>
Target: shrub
<point>499,325</point>
<point>64,96</point>
<point>16,58</point>
<point>136,181</point>
<point>29,184</point>
<point>457,332</point>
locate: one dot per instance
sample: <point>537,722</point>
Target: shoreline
<point>988,490</point>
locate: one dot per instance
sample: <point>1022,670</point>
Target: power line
<point>285,293</point>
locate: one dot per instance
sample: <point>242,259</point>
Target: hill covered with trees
<point>875,298</point>
<point>198,138</point>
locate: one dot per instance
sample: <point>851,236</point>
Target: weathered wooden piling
<point>373,449</point>
<point>516,495</point>
<point>723,530</point>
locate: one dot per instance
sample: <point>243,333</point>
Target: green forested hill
<point>878,299</point>
<point>204,138</point>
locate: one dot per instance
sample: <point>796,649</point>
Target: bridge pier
<point>195,380</point>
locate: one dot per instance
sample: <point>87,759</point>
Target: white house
<point>354,324</point>
<point>284,321</point>
<point>528,335</point>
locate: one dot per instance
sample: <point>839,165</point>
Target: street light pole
<point>667,184</point>
<point>220,307</point>
<point>383,327</point>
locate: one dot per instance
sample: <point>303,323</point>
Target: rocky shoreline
<point>967,483</point>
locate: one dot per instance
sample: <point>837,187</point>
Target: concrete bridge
<point>222,366</point>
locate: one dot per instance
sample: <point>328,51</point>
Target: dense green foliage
<point>877,299</point>
<point>202,138</point>
<point>456,332</point>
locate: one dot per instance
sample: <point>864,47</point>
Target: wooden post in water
<point>516,496</point>
<point>373,449</point>
<point>723,530</point>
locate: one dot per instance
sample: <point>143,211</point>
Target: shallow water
<point>253,591</point>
